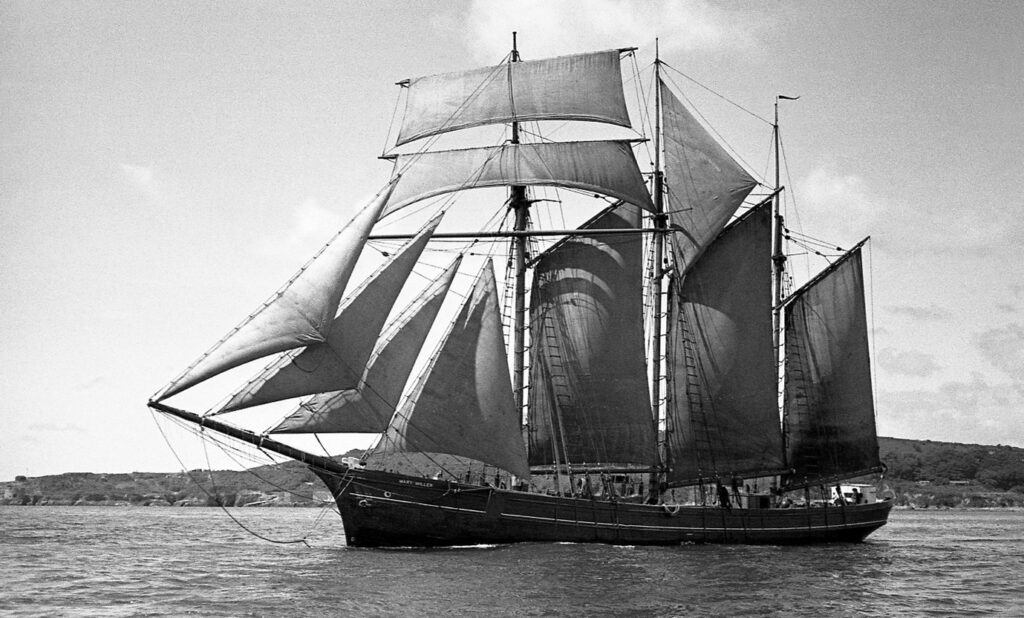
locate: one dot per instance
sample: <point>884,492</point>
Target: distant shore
<point>921,474</point>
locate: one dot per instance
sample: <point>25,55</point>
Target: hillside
<point>921,473</point>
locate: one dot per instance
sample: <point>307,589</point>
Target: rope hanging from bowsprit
<point>213,496</point>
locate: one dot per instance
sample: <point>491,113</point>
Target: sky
<point>165,166</point>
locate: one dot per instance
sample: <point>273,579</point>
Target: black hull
<point>382,509</point>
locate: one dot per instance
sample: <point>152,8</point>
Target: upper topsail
<point>299,314</point>
<point>579,87</point>
<point>705,184</point>
<point>606,167</point>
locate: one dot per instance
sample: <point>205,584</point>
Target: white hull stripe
<point>576,522</point>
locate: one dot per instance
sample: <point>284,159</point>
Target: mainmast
<point>659,249</point>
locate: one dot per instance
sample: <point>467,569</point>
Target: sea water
<point>137,561</point>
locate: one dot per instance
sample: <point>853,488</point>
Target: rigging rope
<point>216,500</point>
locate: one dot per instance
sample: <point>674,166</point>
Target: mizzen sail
<point>723,405</point>
<point>578,87</point>
<point>829,410</point>
<point>462,404</point>
<point>589,400</point>
<point>606,167</point>
<point>299,314</point>
<point>369,407</point>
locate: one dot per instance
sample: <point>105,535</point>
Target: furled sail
<point>299,314</point>
<point>705,184</point>
<point>578,87</point>
<point>462,404</point>
<point>723,404</point>
<point>589,400</point>
<point>606,167</point>
<point>829,411</point>
<point>338,362</point>
<point>369,407</point>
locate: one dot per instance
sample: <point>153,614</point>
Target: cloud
<point>913,364</point>
<point>55,427</point>
<point>563,27</point>
<point>971,411</point>
<point>145,181</point>
<point>312,226</point>
<point>842,204</point>
<point>91,383</point>
<point>932,313</point>
<point>1004,348</point>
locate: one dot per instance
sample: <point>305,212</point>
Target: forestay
<point>369,407</point>
<point>462,404</point>
<point>723,404</point>
<point>579,87</point>
<point>589,400</point>
<point>705,185</point>
<point>829,410</point>
<point>606,167</point>
<point>301,312</point>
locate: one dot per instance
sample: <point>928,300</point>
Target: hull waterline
<point>383,509</point>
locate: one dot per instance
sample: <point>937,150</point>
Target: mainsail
<point>299,314</point>
<point>578,87</point>
<point>463,404</point>
<point>606,167</point>
<point>369,407</point>
<point>705,184</point>
<point>337,363</point>
<point>589,401</point>
<point>723,405</point>
<point>829,411</point>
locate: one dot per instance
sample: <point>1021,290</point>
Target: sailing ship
<point>631,380</point>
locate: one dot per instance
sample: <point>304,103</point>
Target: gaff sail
<point>723,405</point>
<point>605,167</point>
<point>299,314</point>
<point>369,407</point>
<point>578,87</point>
<point>589,399</point>
<point>829,409</point>
<point>462,404</point>
<point>705,185</point>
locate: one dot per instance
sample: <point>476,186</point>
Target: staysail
<point>578,87</point>
<point>589,400</point>
<point>606,167</point>
<point>723,404</point>
<point>338,362</point>
<point>369,407</point>
<point>705,185</point>
<point>299,314</point>
<point>829,410</point>
<point>462,404</point>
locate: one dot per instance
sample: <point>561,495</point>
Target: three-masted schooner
<point>597,420</point>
